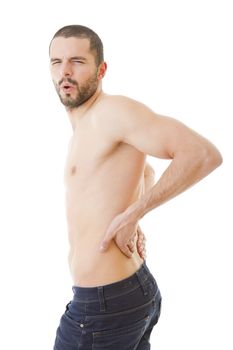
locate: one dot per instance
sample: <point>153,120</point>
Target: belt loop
<point>101,298</point>
<point>141,280</point>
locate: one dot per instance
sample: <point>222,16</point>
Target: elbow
<point>218,159</point>
<point>211,159</point>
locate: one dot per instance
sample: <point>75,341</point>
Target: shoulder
<point>119,116</point>
<point>112,108</point>
<point>119,103</point>
<point>114,113</point>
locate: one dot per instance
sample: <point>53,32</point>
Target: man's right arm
<point>149,181</point>
<point>192,158</point>
<point>149,177</point>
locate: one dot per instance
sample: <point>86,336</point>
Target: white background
<point>176,57</point>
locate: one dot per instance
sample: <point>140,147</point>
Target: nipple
<point>73,170</point>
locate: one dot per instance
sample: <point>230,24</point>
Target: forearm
<point>149,177</point>
<point>184,171</point>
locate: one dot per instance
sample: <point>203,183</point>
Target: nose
<point>66,70</point>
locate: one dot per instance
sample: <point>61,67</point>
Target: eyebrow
<point>71,58</point>
<point>78,58</point>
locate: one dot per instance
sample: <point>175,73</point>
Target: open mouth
<point>67,88</point>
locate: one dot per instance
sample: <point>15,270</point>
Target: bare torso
<point>102,177</point>
<point>104,173</point>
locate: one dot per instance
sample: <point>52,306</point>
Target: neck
<point>75,114</point>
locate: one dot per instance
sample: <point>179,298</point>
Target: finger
<point>141,236</point>
<point>127,252</point>
<point>139,229</point>
<point>142,253</point>
<point>133,240</point>
<point>105,244</point>
<point>141,247</point>
<point>131,247</point>
<point>108,237</point>
<point>143,256</point>
<point>140,243</point>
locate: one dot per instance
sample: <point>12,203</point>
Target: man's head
<point>77,64</point>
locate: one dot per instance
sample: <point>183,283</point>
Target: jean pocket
<point>69,330</point>
<point>117,338</point>
<point>114,331</point>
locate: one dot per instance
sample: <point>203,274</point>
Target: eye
<point>55,62</point>
<point>78,61</point>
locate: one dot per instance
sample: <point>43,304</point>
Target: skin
<point>105,172</point>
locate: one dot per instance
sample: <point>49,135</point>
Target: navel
<point>73,170</point>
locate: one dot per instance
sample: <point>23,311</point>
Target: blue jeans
<point>117,316</point>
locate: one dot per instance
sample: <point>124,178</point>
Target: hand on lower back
<point>141,243</point>
<point>124,233</point>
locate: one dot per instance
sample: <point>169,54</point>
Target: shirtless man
<point>116,300</point>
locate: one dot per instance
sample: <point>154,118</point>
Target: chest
<point>88,147</point>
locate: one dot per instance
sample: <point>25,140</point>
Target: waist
<point>116,289</point>
<point>90,268</point>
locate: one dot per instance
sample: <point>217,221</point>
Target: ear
<point>102,70</point>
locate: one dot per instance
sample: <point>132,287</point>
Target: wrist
<point>135,211</point>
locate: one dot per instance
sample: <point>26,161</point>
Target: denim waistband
<point>125,286</point>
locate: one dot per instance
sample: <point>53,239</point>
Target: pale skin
<point>106,170</point>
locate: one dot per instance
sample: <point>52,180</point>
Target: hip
<point>112,316</point>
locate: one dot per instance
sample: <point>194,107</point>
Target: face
<point>73,69</point>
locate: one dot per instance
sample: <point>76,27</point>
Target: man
<point>116,299</point>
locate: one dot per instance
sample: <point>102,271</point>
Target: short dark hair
<point>79,31</point>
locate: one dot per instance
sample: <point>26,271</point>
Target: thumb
<point>106,242</point>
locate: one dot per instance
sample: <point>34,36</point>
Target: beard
<point>83,93</point>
